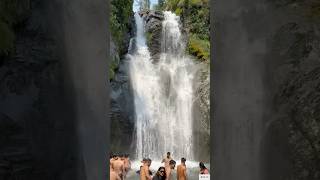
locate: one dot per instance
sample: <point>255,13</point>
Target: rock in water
<point>153,20</point>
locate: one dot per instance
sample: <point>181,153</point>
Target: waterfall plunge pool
<point>192,169</point>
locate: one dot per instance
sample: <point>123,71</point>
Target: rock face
<point>153,20</point>
<point>121,99</point>
<point>122,112</point>
<point>53,96</point>
<point>201,124</point>
<point>297,99</point>
<point>266,79</point>
<point>37,141</point>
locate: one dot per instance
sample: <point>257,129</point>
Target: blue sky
<point>135,6</point>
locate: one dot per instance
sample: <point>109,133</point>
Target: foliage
<point>195,18</point>
<point>113,67</point>
<point>6,38</point>
<point>121,12</point>
<point>148,37</point>
<point>120,25</point>
<point>12,12</point>
<point>199,48</point>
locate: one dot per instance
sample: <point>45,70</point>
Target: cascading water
<point>163,93</point>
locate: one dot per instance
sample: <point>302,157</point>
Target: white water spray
<point>163,94</point>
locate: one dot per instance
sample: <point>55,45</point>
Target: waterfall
<point>163,93</point>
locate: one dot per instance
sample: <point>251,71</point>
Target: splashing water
<point>163,93</point>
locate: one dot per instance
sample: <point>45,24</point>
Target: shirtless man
<point>112,158</point>
<point>118,167</point>
<point>127,163</point>
<point>114,175</point>
<point>182,170</point>
<point>169,169</point>
<point>144,170</point>
<point>166,160</point>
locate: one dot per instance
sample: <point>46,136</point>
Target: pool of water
<point>192,169</point>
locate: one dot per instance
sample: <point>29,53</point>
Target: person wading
<point>170,169</point>
<point>182,170</point>
<point>127,164</point>
<point>118,167</point>
<point>113,174</point>
<point>144,170</point>
<point>166,160</point>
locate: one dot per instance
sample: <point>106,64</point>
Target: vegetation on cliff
<point>12,12</point>
<point>120,27</point>
<point>195,17</point>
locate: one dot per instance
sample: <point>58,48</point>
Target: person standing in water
<point>127,164</point>
<point>169,169</point>
<point>166,160</point>
<point>118,166</point>
<point>113,174</point>
<point>144,170</point>
<point>203,169</point>
<point>182,170</point>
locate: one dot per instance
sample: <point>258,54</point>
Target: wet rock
<point>153,20</point>
<point>201,109</point>
<point>122,112</point>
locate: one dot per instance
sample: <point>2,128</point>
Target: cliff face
<point>201,109</point>
<point>266,78</point>
<point>296,47</point>
<point>32,103</point>
<point>121,100</point>
<point>52,91</point>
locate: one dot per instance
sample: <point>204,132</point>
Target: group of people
<point>120,165</point>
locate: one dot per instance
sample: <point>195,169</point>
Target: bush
<point>12,12</point>
<point>199,48</point>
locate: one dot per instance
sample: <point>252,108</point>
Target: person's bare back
<point>127,164</point>
<point>114,175</point>
<point>168,173</point>
<point>118,167</point>
<point>144,173</point>
<point>181,172</point>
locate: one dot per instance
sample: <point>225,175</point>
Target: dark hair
<point>183,159</point>
<point>126,155</point>
<point>202,166</point>
<point>172,162</point>
<point>168,153</point>
<point>158,172</point>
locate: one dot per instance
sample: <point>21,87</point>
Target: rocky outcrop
<point>153,20</point>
